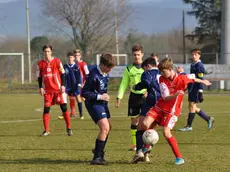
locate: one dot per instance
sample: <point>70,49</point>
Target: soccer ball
<point>150,137</point>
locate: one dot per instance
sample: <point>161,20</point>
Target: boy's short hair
<point>196,50</point>
<point>70,54</point>
<point>107,60</point>
<point>150,61</point>
<point>137,48</point>
<point>154,54</point>
<point>166,63</point>
<point>77,51</point>
<point>47,46</point>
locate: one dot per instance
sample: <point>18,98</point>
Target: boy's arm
<point>205,82</point>
<point>123,85</point>
<point>88,90</point>
<point>39,76</point>
<point>145,82</point>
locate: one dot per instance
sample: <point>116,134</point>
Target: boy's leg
<point>133,129</point>
<point>79,104</point>
<point>191,116</point>
<point>204,116</point>
<point>72,105</point>
<point>67,118</point>
<point>46,121</point>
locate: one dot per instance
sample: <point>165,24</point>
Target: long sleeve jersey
<point>131,77</point>
<point>73,77</point>
<point>150,81</point>
<point>96,84</point>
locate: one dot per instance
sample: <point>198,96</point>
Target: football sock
<point>203,115</point>
<point>190,119</point>
<point>99,148</point>
<point>46,121</point>
<point>67,119</point>
<point>72,104</point>
<point>133,134</point>
<point>80,108</point>
<point>139,139</point>
<point>173,143</point>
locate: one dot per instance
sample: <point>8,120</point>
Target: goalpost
<point>118,56</point>
<point>22,63</point>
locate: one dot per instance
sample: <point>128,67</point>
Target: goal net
<point>12,68</point>
<point>121,59</point>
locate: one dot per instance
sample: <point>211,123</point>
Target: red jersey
<point>51,74</point>
<point>169,87</point>
<point>83,69</point>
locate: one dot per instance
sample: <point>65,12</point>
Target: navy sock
<point>191,117</point>
<point>203,115</point>
<point>80,108</point>
<point>140,143</point>
<point>99,148</point>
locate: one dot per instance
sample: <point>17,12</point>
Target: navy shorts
<point>135,104</point>
<point>97,111</point>
<point>145,108</point>
<point>193,96</point>
<point>71,93</point>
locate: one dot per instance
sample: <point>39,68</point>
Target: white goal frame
<point>115,55</point>
<point>22,63</point>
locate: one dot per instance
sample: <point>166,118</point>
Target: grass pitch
<point>22,149</point>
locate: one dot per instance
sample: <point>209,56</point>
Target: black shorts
<point>135,104</point>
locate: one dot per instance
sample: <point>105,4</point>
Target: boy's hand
<point>62,89</point>
<point>105,97</point>
<point>117,103</point>
<point>207,83</point>
<point>42,91</point>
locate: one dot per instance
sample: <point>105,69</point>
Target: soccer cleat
<point>98,161</point>
<point>179,161</point>
<point>146,157</point>
<point>186,128</point>
<point>82,117</point>
<point>69,132</point>
<point>61,117</point>
<point>210,122</point>
<point>138,157</point>
<point>72,116</point>
<point>146,150</point>
<point>45,133</point>
<point>133,148</point>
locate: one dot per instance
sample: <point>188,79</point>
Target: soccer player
<point>84,71</point>
<point>51,80</point>
<point>73,82</point>
<point>155,56</point>
<point>168,108</point>
<point>131,77</point>
<point>195,93</point>
<point>96,102</point>
<point>149,81</point>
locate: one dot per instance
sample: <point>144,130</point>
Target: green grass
<point>21,148</point>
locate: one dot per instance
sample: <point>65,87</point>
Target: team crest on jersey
<point>48,69</point>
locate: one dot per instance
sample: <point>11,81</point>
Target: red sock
<point>46,121</point>
<point>72,104</point>
<point>173,143</point>
<point>67,119</point>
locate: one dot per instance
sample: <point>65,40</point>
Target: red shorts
<point>163,119</point>
<point>54,98</point>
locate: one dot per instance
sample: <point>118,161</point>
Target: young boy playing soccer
<point>168,108</point>
<point>195,91</point>
<point>73,81</point>
<point>51,73</point>
<point>149,81</point>
<point>96,102</point>
<point>131,77</point>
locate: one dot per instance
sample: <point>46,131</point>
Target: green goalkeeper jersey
<point>131,77</point>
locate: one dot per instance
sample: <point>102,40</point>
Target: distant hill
<point>149,17</point>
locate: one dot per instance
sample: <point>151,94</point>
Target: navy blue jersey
<point>96,84</point>
<point>196,68</point>
<point>73,77</point>
<point>149,80</point>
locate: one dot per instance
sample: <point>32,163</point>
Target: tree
<point>208,14</point>
<point>37,43</point>
<point>88,23</point>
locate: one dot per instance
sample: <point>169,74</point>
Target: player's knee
<point>63,107</point>
<point>167,133</point>
<point>46,110</point>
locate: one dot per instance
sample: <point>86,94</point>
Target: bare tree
<point>88,23</point>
